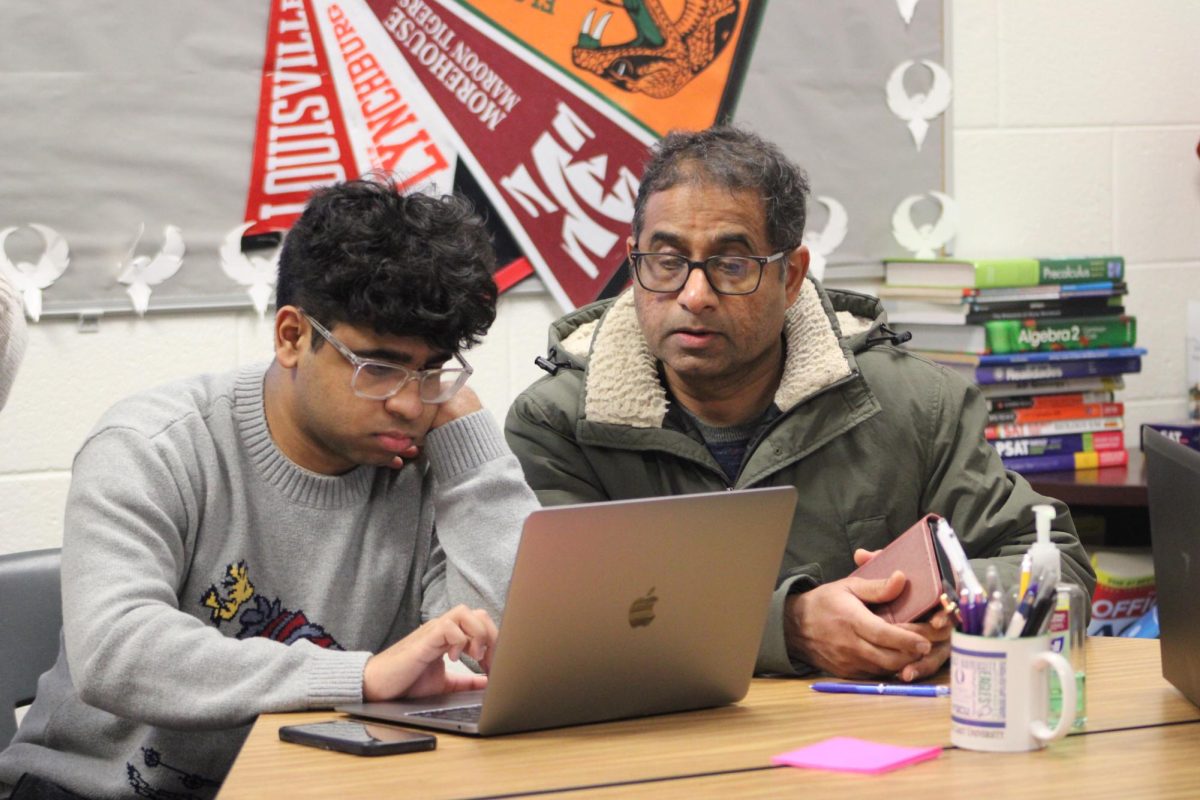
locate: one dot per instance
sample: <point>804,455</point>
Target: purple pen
<point>973,607</point>
<point>966,609</point>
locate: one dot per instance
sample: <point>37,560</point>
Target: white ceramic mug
<point>1000,695</point>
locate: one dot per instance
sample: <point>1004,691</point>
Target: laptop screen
<point>1173,485</point>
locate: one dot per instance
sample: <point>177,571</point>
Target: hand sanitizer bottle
<point>1068,631</point>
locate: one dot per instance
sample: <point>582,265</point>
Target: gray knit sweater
<point>207,578</point>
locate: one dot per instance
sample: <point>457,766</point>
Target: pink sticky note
<point>845,754</point>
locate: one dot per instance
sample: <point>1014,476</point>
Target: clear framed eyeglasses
<point>669,272</point>
<point>379,380</point>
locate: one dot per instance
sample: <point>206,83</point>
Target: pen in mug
<point>949,604</point>
<point>958,558</point>
<point>1040,617</point>
<point>1026,569</point>
<point>992,580</point>
<point>978,610</point>
<point>993,616</point>
<point>1016,625</point>
<point>901,689</point>
<point>1043,604</point>
<point>966,609</point>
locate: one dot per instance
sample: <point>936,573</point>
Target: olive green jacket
<point>872,436</point>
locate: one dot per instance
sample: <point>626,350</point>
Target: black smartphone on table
<point>359,738</point>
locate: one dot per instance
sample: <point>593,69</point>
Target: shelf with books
<point>1108,504</point>
<point>1030,429</point>
<point>1055,346</point>
<point>1102,489</point>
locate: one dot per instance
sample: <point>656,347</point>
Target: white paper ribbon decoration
<point>30,279</point>
<point>822,244</point>
<point>923,240</point>
<point>907,7</point>
<point>142,272</point>
<point>254,272</point>
<point>918,109</point>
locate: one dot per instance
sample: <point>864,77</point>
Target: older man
<point>723,368</point>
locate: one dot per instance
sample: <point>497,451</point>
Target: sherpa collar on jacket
<point>623,385</point>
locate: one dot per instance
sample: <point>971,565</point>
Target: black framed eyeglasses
<point>379,380</point>
<point>669,272</point>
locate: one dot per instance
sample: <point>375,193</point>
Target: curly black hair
<point>404,263</point>
<point>733,158</point>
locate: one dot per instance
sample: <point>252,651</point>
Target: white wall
<point>1075,128</point>
<point>1075,132</point>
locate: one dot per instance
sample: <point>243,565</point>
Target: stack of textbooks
<point>1047,340</point>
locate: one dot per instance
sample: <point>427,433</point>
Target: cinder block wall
<point>1075,131</point>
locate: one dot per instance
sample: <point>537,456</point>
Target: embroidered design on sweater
<point>262,617</point>
<point>237,590</point>
<point>153,761</point>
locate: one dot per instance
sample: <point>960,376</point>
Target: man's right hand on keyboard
<point>413,666</point>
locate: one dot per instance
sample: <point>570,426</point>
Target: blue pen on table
<point>901,689</point>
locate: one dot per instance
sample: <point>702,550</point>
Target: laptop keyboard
<point>452,714</point>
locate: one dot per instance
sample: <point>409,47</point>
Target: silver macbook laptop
<point>624,609</point>
<point>1173,484</point>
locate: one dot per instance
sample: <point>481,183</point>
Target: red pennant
<point>560,171</point>
<point>301,140</point>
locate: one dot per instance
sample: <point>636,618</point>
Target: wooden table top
<point>1125,691</point>
<point>1158,762</point>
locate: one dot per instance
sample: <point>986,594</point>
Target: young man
<point>317,531</point>
<point>723,368</point>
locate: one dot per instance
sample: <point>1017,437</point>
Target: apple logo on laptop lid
<point>641,611</point>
